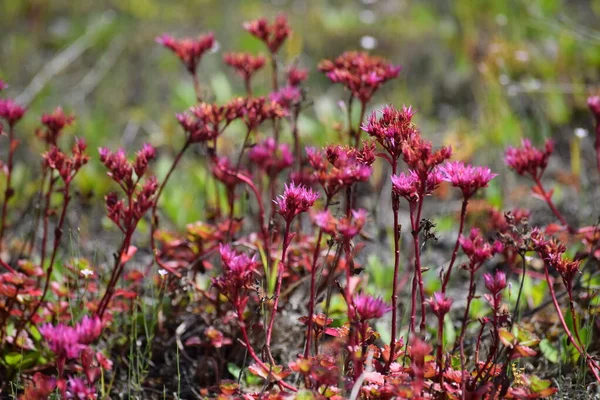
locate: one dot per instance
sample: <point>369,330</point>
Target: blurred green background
<point>481,73</point>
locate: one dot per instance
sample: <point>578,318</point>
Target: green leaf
<point>13,359</point>
<point>304,395</point>
<point>449,332</point>
<point>233,369</point>
<point>549,351</point>
<point>537,384</point>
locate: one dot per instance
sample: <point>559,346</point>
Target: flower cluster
<point>594,106</point>
<point>189,50</point>
<point>11,112</point>
<point>246,65</point>
<point>271,157</point>
<point>121,169</point>
<point>272,35</point>
<point>528,160</point>
<point>255,110</point>
<point>368,307</point>
<point>495,283</point>
<point>287,96</point>
<point>361,73</point>
<point>206,121</point>
<point>418,154</point>
<point>408,185</point>
<point>67,167</point>
<point>54,124</point>
<point>391,129</point>
<point>477,249</point>
<point>340,166</point>
<point>347,227</point>
<point>238,271</point>
<point>295,76</point>
<point>440,304</point>
<point>295,200</point>
<point>67,342</point>
<point>552,251</point>
<point>467,178</point>
<point>225,172</point>
<point>126,216</point>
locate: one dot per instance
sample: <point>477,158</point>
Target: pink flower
<point>552,251</point>
<point>477,249</point>
<point>466,177</point>
<point>272,35</point>
<point>295,76</point>
<point>406,185</point>
<point>361,73</point>
<point>120,170</point>
<point>55,122</point>
<point>418,153</point>
<point>79,389</point>
<point>392,128</point>
<point>143,158</point>
<point>238,271</point>
<point>287,96</point>
<point>528,159</point>
<point>10,111</point>
<point>410,187</point>
<point>270,157</point>
<point>67,166</point>
<point>495,283</point>
<point>255,110</point>
<point>88,329</point>
<point>224,171</point>
<point>340,166</point>
<point>368,307</point>
<point>440,304</point>
<point>594,106</point>
<point>346,227</point>
<point>295,200</point>
<point>351,226</point>
<point>245,64</point>
<point>189,51</point>
<point>3,85</point>
<point>62,340</point>
<point>325,221</point>
<point>205,121</point>
<point>67,342</point>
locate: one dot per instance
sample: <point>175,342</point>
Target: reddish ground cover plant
<point>294,221</point>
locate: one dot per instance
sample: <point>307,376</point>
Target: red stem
<point>116,272</point>
<point>57,236</point>
<point>463,329</point>
<point>395,208</point>
<point>548,199</point>
<point>45,219</point>
<point>155,219</point>
<point>597,143</point>
<point>8,191</point>
<point>418,275</point>
<point>591,363</point>
<point>440,350</point>
<point>280,270</point>
<point>253,353</point>
<point>463,213</point>
<point>197,89</point>
<point>297,151</point>
<point>363,109</point>
<point>248,87</point>
<point>274,72</point>
<point>313,275</point>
